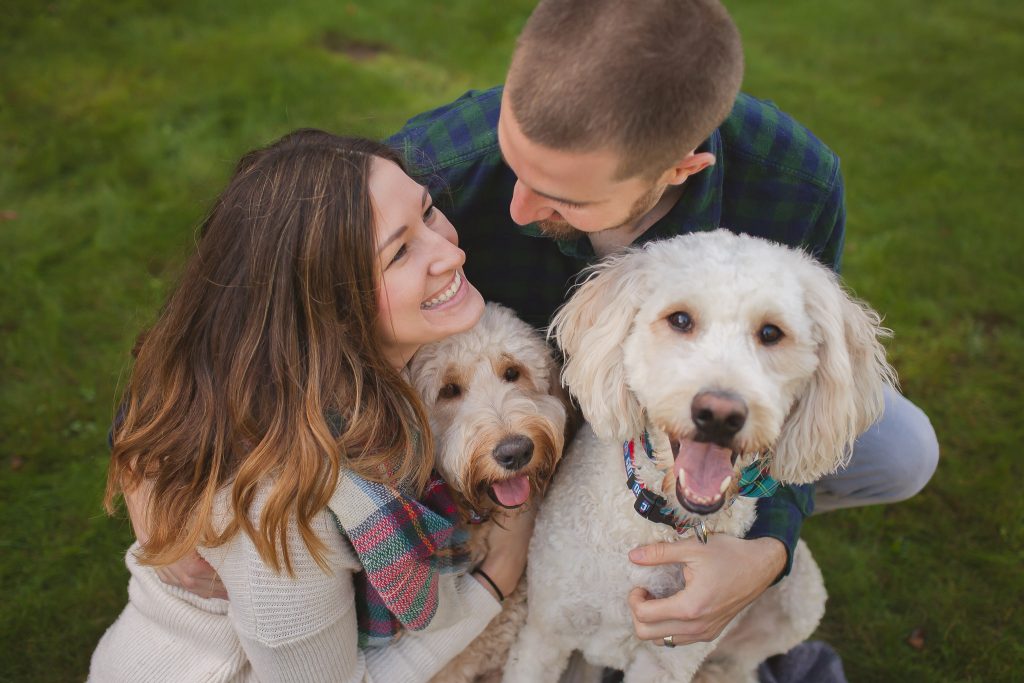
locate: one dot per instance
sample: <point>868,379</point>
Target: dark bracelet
<point>481,572</point>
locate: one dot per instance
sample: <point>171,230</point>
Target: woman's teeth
<point>446,294</point>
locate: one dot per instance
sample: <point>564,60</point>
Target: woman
<point>267,422</point>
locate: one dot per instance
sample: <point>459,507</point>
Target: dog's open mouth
<point>510,493</point>
<point>704,472</point>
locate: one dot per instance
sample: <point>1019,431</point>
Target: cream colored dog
<point>725,349</point>
<point>499,420</point>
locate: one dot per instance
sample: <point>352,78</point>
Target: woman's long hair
<point>264,365</point>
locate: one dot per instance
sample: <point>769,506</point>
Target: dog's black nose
<point>718,415</point>
<point>513,452</point>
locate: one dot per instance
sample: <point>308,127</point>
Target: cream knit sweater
<point>276,627</point>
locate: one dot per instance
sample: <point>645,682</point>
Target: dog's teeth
<point>725,484</point>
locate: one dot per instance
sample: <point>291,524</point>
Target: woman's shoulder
<point>241,548</point>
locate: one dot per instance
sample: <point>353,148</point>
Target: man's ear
<point>689,165</point>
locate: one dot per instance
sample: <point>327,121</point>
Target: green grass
<point>119,123</point>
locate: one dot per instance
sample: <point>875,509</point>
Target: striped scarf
<point>404,545</point>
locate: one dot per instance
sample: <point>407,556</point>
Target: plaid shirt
<point>772,178</point>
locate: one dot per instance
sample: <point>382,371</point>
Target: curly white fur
<point>808,395</point>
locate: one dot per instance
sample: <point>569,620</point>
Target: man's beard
<point>562,230</point>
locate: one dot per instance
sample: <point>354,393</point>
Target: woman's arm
<point>508,543</point>
<point>303,628</point>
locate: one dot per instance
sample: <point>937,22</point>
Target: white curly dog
<point>724,350</point>
<point>499,419</point>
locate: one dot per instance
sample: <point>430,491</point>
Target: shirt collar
<point>698,209</point>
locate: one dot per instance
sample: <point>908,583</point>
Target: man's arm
<point>192,572</point>
<point>721,577</point>
<point>781,517</point>
<point>829,231</point>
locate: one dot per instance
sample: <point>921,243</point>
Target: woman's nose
<point>527,206</point>
<point>448,255</point>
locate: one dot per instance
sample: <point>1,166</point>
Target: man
<point>620,122</point>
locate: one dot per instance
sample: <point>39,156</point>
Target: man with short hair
<point>621,122</point>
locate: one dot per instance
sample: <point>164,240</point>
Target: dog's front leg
<point>656,664</point>
<point>538,656</point>
<point>783,617</point>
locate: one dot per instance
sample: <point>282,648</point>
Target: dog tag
<point>701,531</point>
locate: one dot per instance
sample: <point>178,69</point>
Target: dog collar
<point>476,518</point>
<point>755,482</point>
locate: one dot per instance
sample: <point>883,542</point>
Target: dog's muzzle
<point>513,452</point>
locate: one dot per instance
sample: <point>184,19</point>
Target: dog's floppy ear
<point>844,396</point>
<point>590,329</point>
<point>573,418</point>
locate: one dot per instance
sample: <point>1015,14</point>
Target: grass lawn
<point>120,121</point>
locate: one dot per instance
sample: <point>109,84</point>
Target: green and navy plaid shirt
<point>772,178</point>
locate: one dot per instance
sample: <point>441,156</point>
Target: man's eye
<point>570,205</point>
<point>398,254</point>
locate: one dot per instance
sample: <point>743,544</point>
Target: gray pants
<point>891,461</point>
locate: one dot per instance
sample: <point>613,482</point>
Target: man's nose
<point>527,206</point>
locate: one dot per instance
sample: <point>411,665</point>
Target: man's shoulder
<point>759,134</point>
<point>452,134</point>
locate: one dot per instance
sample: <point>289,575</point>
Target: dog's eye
<point>770,334</point>
<point>681,321</point>
<point>511,373</point>
<point>450,391</point>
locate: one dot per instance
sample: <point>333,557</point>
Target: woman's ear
<point>845,394</point>
<point>591,329</point>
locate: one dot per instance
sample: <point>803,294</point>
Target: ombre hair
<point>264,366</point>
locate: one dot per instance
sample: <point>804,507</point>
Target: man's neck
<point>612,240</point>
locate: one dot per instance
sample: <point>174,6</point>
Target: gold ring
<point>668,641</point>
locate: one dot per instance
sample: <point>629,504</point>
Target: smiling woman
<point>268,423</point>
<point>424,295</point>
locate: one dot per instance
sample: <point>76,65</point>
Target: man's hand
<point>195,575</point>
<point>722,578</point>
<point>191,572</point>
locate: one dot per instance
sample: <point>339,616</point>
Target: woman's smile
<point>424,295</point>
<point>448,295</point>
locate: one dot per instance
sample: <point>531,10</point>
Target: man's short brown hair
<point>649,78</point>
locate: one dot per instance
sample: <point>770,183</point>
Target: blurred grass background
<point>121,120</point>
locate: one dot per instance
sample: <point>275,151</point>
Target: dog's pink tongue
<point>512,492</point>
<point>704,466</point>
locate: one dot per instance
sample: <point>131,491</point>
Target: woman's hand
<point>722,578</point>
<point>507,545</point>
<point>192,573</point>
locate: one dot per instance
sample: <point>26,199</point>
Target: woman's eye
<point>429,214</point>
<point>399,254</point>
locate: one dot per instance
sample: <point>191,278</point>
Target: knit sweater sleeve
<point>303,627</point>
